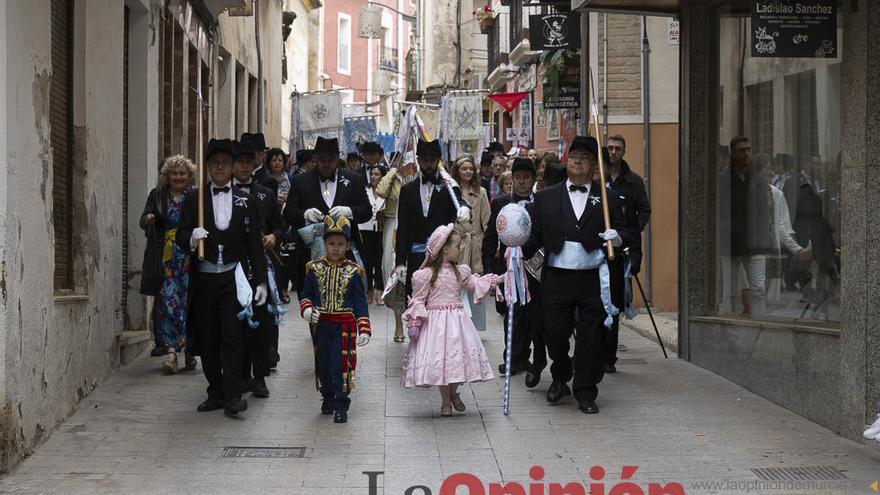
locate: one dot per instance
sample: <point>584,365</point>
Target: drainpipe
<point>605,71</point>
<point>646,119</point>
<point>259,67</point>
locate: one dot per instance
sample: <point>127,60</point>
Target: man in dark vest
<point>567,221</point>
<point>424,205</point>
<point>223,297</point>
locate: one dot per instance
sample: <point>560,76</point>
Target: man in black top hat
<point>232,238</point>
<point>257,142</point>
<point>528,324</point>
<point>424,205</point>
<point>260,350</point>
<point>495,149</point>
<point>327,190</point>
<point>304,162</point>
<point>567,221</point>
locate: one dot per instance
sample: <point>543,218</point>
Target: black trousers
<point>257,342</point>
<point>535,311</point>
<point>616,270</point>
<point>413,262</point>
<point>220,333</point>
<point>570,301</point>
<point>371,252</point>
<point>528,331</point>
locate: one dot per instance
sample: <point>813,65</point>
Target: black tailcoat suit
<point>305,193</point>
<point>220,332</point>
<point>564,292</point>
<point>528,321</point>
<point>259,341</point>
<point>413,227</point>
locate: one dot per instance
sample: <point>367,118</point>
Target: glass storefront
<point>777,217</point>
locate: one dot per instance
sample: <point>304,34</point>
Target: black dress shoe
<point>235,406</point>
<point>533,378</point>
<point>610,368</point>
<point>326,408</point>
<point>260,390</point>
<point>515,369</point>
<point>588,406</point>
<point>340,417</point>
<point>158,351</point>
<point>210,405</point>
<point>189,361</point>
<point>557,391</point>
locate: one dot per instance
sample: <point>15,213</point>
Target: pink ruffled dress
<point>448,348</point>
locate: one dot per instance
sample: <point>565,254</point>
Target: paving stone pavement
<point>140,433</point>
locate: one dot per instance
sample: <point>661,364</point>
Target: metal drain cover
<point>265,452</point>
<point>815,473</point>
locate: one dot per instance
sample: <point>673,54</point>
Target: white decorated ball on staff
<point>514,225</point>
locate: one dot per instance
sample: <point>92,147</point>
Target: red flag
<point>508,100</point>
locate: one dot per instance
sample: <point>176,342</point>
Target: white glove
<point>313,215</point>
<point>464,215</point>
<point>400,271</point>
<point>311,315</point>
<point>613,236</point>
<point>340,211</point>
<point>198,234</point>
<point>260,295</point>
<point>363,339</point>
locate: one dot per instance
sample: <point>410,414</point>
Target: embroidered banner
<point>465,115</point>
<point>358,131</point>
<point>320,111</point>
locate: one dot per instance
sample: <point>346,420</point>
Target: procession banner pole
<point>201,159</point>
<point>606,217</point>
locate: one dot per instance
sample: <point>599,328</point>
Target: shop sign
<point>556,31</point>
<point>796,29</point>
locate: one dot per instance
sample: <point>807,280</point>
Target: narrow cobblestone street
<point>140,432</point>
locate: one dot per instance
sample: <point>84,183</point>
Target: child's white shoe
<point>873,430</point>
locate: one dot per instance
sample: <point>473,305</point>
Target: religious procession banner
<point>358,131</point>
<point>320,111</point>
<point>465,117</point>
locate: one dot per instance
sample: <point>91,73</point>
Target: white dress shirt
<point>578,199</point>
<point>328,189</point>
<point>426,191</point>
<point>222,206</point>
<point>376,203</point>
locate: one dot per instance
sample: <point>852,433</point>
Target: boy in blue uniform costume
<point>334,299</point>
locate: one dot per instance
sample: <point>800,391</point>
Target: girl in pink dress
<point>444,348</point>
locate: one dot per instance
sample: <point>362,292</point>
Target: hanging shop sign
<point>795,29</point>
<point>568,94</point>
<point>555,31</point>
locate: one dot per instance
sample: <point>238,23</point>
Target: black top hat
<point>520,164</point>
<point>303,156</point>
<point>587,143</point>
<point>495,146</point>
<point>371,147</point>
<point>324,146</point>
<point>428,148</point>
<point>257,140</point>
<point>244,149</point>
<point>218,146</point>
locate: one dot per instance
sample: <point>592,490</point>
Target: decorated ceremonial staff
<point>568,221</point>
<point>259,353</point>
<point>424,205</point>
<point>231,239</point>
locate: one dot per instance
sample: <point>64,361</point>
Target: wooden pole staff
<point>201,161</point>
<point>606,217</point>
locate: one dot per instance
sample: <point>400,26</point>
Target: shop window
<point>777,226</point>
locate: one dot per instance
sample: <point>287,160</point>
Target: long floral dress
<point>171,312</point>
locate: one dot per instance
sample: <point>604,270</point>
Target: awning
<point>642,6</point>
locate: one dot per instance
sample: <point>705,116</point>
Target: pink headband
<point>436,242</point>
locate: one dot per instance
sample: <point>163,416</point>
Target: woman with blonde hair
<point>467,173</point>
<point>166,267</point>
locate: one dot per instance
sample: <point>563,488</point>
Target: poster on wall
<point>559,30</point>
<point>552,125</point>
<point>540,115</point>
<point>525,120</point>
<point>786,28</point>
